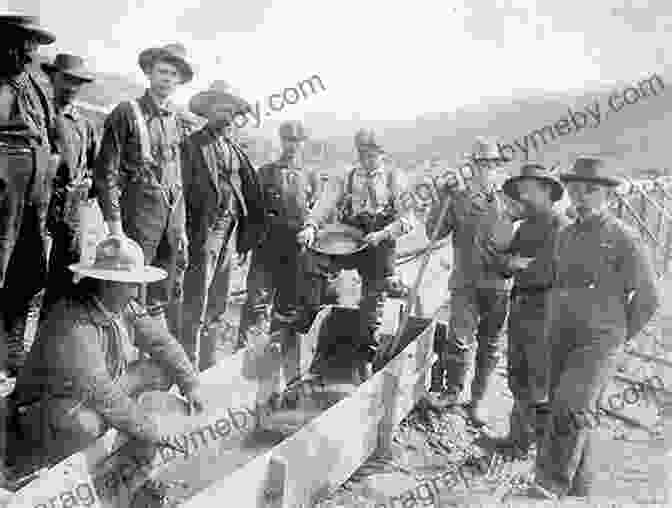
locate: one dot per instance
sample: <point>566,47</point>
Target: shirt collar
<point>18,82</point>
<point>70,111</point>
<point>148,102</point>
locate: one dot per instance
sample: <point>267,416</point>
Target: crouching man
<point>83,373</point>
<point>371,199</point>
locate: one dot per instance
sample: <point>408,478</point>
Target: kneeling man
<point>83,373</point>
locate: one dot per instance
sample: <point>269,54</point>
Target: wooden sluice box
<point>245,450</point>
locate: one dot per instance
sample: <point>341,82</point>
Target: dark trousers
<point>64,252</point>
<point>209,270</point>
<point>477,318</point>
<point>587,332</point>
<point>528,367</point>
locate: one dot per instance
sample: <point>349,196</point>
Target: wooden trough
<point>246,449</point>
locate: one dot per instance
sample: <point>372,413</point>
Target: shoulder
<point>121,113</point>
<point>624,233</point>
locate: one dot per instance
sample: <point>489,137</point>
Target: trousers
<point>210,270</point>
<point>527,363</point>
<point>477,318</point>
<point>53,430</point>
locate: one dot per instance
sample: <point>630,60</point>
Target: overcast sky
<point>382,59</point>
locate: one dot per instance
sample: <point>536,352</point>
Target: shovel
<point>387,348</point>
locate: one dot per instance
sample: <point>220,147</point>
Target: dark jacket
<point>203,195</point>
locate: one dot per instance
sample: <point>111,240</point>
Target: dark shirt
<point>79,141</point>
<point>289,193</point>
<point>534,239</point>
<point>120,158</point>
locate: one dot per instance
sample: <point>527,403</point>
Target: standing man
<point>138,174</point>
<point>479,220</point>
<point>371,199</point>
<point>277,272</point>
<point>26,170</point>
<point>78,144</point>
<point>604,293</point>
<point>225,213</point>
<point>531,265</point>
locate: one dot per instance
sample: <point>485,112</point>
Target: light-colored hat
<point>366,139</point>
<point>590,169</point>
<point>338,240</point>
<point>292,129</point>
<point>537,172</point>
<point>71,65</point>
<point>120,259</point>
<point>219,98</point>
<point>28,24</point>
<point>174,53</point>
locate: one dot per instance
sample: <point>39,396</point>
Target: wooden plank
<point>326,451</point>
<point>244,380</point>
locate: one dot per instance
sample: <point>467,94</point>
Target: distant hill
<point>636,136</point>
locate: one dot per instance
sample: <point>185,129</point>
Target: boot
<point>479,387</point>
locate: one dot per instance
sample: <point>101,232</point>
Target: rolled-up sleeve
<point>153,338</point>
<point>406,220</point>
<point>108,163</point>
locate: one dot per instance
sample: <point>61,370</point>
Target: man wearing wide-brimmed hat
<point>77,140</point>
<point>480,220</point>
<point>138,176</point>
<point>370,199</point>
<point>277,275</point>
<point>531,267</point>
<point>604,293</point>
<point>85,369</point>
<point>225,214</point>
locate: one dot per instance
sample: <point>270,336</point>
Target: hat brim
<point>510,187</point>
<point>83,76</point>
<point>600,180</point>
<point>28,25</point>
<point>203,103</point>
<point>145,275</point>
<point>149,56</point>
<point>370,148</point>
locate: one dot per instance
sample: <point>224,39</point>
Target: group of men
<point>181,204</point>
<point>574,290</point>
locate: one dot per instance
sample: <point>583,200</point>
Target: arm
<point>87,370</point>
<point>92,152</point>
<point>406,221</point>
<point>326,203</point>
<point>449,222</point>
<point>156,340</point>
<point>640,285</point>
<point>108,166</point>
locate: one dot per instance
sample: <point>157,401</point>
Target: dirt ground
<point>428,444</point>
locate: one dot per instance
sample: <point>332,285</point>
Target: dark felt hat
<point>29,24</point>
<point>220,97</point>
<point>292,129</point>
<point>72,65</point>
<point>174,53</point>
<point>338,240</point>
<point>537,172</point>
<point>590,169</point>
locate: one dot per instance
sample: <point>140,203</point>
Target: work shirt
<point>534,238</point>
<point>228,177</point>
<point>289,193</point>
<point>368,200</point>
<point>604,274</point>
<point>23,100</point>
<point>481,220</point>
<point>121,160</point>
<point>78,142</point>
<point>82,351</point>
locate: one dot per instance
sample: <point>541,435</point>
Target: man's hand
<point>306,236</point>
<point>376,237</point>
<point>520,263</point>
<point>195,400</point>
<point>243,258</point>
